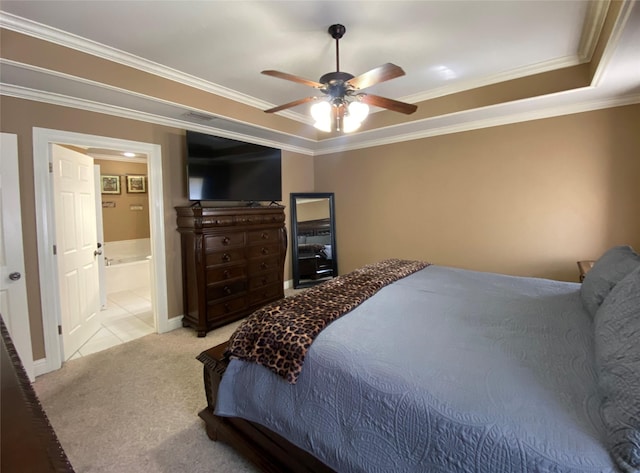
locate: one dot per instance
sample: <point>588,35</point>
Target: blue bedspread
<point>446,370</point>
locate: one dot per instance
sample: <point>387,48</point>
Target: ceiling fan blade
<point>389,104</point>
<point>292,78</point>
<point>382,73</point>
<point>291,104</point>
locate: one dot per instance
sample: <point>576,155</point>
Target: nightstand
<point>584,267</point>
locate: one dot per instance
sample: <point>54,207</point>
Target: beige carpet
<point>133,408</point>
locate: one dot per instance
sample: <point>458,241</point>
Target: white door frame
<point>45,220</point>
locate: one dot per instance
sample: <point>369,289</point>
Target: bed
<point>449,370</point>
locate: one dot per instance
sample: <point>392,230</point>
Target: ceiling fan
<point>343,106</point>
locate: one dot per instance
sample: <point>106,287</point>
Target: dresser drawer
<point>232,288</point>
<point>266,293</point>
<point>270,263</point>
<point>227,307</point>
<point>228,240</point>
<point>266,249</point>
<point>266,235</point>
<point>219,274</point>
<point>232,255</point>
<point>264,279</point>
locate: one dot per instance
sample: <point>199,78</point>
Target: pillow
<point>617,343</point>
<point>612,267</point>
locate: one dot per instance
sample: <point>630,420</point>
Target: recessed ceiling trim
<point>69,40</point>
<point>186,110</point>
<point>11,90</point>
<point>614,39</point>
<point>596,14</point>
<point>429,127</point>
<point>54,35</point>
<point>321,148</point>
<point>461,86</point>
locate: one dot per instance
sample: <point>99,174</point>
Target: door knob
<point>97,252</point>
<point>15,276</point>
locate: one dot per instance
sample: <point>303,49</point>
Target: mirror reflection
<point>314,255</point>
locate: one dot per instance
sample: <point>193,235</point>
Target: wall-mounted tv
<point>224,169</point>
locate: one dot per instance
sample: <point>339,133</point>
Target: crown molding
<point>614,39</point>
<point>429,127</point>
<point>596,14</point>
<point>78,43</point>
<point>518,73</point>
<point>25,93</point>
<point>593,25</point>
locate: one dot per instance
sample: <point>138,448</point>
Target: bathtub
<point>127,265</point>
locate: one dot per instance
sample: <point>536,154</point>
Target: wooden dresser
<point>232,262</point>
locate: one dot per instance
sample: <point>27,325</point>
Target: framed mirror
<point>313,234</point>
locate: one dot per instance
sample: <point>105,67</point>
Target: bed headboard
<point>315,227</point>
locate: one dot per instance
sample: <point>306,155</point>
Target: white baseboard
<point>174,323</point>
<point>40,367</point>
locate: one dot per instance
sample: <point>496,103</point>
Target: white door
<point>13,290</point>
<point>76,247</point>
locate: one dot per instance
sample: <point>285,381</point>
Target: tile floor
<point>128,316</point>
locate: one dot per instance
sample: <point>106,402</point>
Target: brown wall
<point>314,210</point>
<point>128,219</point>
<point>526,199</point>
<point>19,116</point>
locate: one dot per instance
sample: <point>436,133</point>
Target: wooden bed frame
<point>28,441</point>
<point>264,448</point>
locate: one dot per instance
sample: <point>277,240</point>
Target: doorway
<point>125,259</point>
<point>49,287</point>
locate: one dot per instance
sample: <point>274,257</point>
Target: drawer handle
<point>225,241</point>
<point>263,265</point>
<point>265,251</point>
<point>264,236</point>
<point>226,257</point>
<point>227,290</point>
<point>226,274</point>
<point>264,281</point>
<point>227,308</point>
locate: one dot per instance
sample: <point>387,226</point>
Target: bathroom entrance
<point>112,302</point>
<point>43,139</point>
<point>123,205</point>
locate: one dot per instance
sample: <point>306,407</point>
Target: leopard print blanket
<point>279,335</point>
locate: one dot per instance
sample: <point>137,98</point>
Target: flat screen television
<point>224,169</point>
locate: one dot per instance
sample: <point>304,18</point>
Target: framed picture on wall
<point>136,184</point>
<point>109,184</point>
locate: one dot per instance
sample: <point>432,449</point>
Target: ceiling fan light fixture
<point>324,125</point>
<point>344,109</point>
<point>321,113</point>
<point>358,111</point>
<point>350,124</point>
<point>321,110</point>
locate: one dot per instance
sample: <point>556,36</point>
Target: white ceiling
<point>443,46</point>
